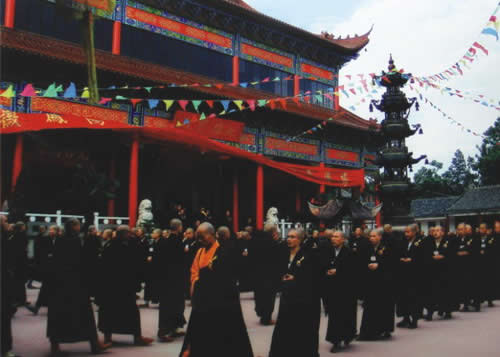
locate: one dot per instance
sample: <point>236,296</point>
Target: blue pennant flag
<point>225,104</point>
<point>244,84</point>
<point>153,103</point>
<point>70,92</point>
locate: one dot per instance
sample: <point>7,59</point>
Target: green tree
<point>429,181</point>
<point>461,175</point>
<point>488,160</point>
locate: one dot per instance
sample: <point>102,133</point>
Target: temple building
<point>209,103</point>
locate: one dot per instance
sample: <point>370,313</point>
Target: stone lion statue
<point>272,216</point>
<point>145,217</point>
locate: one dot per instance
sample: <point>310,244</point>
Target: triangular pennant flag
<point>28,91</point>
<point>296,100</point>
<point>59,88</point>
<point>251,104</point>
<point>119,97</point>
<point>319,97</point>
<point>219,85</point>
<point>153,103</point>
<point>244,84</point>
<point>183,104</point>
<point>352,91</point>
<point>70,92</point>
<point>104,101</point>
<point>276,79</point>
<point>207,85</point>
<point>330,119</point>
<point>134,101</point>
<point>225,104</point>
<point>195,85</point>
<point>265,80</point>
<point>196,104</point>
<point>254,83</point>
<point>86,93</point>
<point>51,91</point>
<point>289,78</point>
<point>212,116</point>
<point>148,89</point>
<point>282,102</point>
<point>8,93</point>
<point>168,103</point>
<point>178,124</point>
<point>262,102</point>
<point>210,103</point>
<point>272,104</point>
<point>481,47</point>
<point>239,104</point>
<point>202,116</point>
<point>186,121</point>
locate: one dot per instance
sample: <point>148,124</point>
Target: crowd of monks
<point>392,274</point>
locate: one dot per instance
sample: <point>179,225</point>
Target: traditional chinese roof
<point>482,199</point>
<point>432,207</point>
<point>355,43</point>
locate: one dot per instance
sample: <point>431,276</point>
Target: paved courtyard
<point>469,334</point>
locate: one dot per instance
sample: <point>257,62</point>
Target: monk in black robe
<point>148,275</point>
<point>296,330</point>
<point>359,246</point>
<point>267,274</point>
<point>245,258</point>
<point>190,249</point>
<point>70,315</point>
<point>378,305</point>
<point>465,266</point>
<point>45,252</point>
<point>7,284</point>
<point>440,283</point>
<point>487,274</point>
<point>18,250</point>
<point>118,312</point>
<point>91,250</point>
<point>216,326</point>
<point>413,257</point>
<point>337,264</point>
<point>169,267</point>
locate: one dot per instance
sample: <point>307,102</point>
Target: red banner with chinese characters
<point>283,145</point>
<point>342,155</point>
<point>316,71</point>
<point>266,55</point>
<point>11,123</point>
<point>178,27</point>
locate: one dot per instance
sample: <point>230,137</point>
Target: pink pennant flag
<point>28,91</point>
<point>348,76</point>
<point>251,104</point>
<point>183,103</point>
<point>352,91</point>
<point>361,76</point>
<point>265,80</point>
<point>211,116</point>
<point>104,101</point>
<point>481,47</point>
<point>329,96</point>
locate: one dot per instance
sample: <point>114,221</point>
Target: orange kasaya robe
<point>203,259</point>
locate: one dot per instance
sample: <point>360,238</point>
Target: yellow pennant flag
<point>8,93</point>
<point>85,93</point>
<point>178,124</point>
<point>168,103</point>
<point>239,104</point>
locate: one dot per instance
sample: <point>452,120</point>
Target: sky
<point>424,37</point>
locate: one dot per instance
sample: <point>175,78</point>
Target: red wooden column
<point>10,13</point>
<point>133,182</point>
<point>17,164</point>
<point>296,85</point>
<point>112,176</point>
<point>298,199</point>
<point>236,70</point>
<point>322,188</point>
<point>260,197</point>
<point>236,203</point>
<point>117,38</point>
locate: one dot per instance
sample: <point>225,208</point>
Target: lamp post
<point>393,157</point>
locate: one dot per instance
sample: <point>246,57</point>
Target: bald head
<point>205,233</point>
<point>223,233</point>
